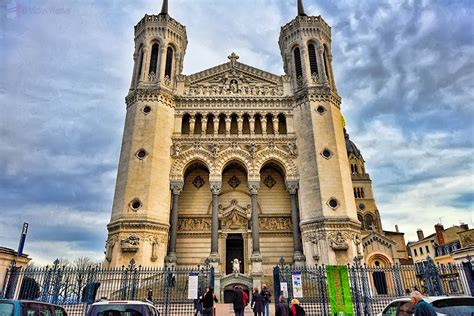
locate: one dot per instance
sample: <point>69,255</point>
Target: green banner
<point>339,291</point>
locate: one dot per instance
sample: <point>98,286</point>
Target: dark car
<point>29,308</point>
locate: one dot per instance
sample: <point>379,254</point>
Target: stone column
<point>275,125</point>
<point>215,189</point>
<point>298,256</point>
<point>252,125</point>
<point>323,62</point>
<point>216,124</point>
<point>203,125</point>
<point>192,123</point>
<point>176,187</point>
<point>228,120</point>
<point>240,124</point>
<point>263,121</point>
<point>256,256</point>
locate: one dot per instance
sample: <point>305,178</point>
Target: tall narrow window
<point>140,65</point>
<point>185,128</point>
<point>298,68</point>
<point>313,64</point>
<point>246,125</point>
<point>258,124</point>
<point>153,59</point>
<point>281,124</point>
<point>169,62</point>
<point>270,129</point>
<point>221,129</point>
<point>326,65</point>
<point>234,130</point>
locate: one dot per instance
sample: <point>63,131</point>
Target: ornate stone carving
<point>130,244</point>
<point>269,182</point>
<point>152,77</point>
<point>176,187</point>
<point>254,186</point>
<point>358,244</point>
<point>275,223</point>
<point>214,150</point>
<point>216,187</point>
<point>234,182</point>
<point>194,224</point>
<point>252,148</point>
<point>236,265</point>
<point>109,248</point>
<point>234,216</point>
<point>338,242</point>
<point>292,149</point>
<point>198,182</point>
<point>175,150</point>
<point>292,186</point>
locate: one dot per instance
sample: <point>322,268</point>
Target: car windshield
<point>6,309</point>
<point>116,310</point>
<point>455,306</point>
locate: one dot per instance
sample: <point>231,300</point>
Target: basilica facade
<point>237,166</point>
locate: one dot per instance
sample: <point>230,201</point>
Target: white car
<point>123,308</point>
<point>443,305</point>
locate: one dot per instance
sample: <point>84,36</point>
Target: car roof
<point>118,302</point>
<point>28,301</point>
<point>429,299</point>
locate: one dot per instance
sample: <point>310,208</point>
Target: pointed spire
<point>301,8</point>
<point>164,8</point>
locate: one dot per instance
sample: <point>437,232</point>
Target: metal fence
<point>76,288</point>
<point>373,287</point>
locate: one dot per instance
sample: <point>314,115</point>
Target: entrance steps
<point>228,310</point>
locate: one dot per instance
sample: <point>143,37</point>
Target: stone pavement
<point>227,310</point>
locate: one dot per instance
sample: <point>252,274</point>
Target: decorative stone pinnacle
<point>233,58</point>
<point>164,8</point>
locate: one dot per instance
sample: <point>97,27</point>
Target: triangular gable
<point>375,237</point>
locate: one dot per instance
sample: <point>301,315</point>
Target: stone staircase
<point>228,310</point>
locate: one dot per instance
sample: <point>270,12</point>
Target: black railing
<point>76,288</point>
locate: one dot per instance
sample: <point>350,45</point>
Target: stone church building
<point>234,162</point>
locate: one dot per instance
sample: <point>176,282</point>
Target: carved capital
<point>254,186</point>
<point>215,187</point>
<point>292,186</point>
<point>176,187</point>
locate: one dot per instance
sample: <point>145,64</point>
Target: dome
<point>351,147</point>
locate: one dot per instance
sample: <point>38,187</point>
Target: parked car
<point>443,305</point>
<point>29,308</point>
<point>123,308</point>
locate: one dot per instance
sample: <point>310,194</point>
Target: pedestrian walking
<point>421,307</point>
<point>238,301</point>
<point>257,304</point>
<point>207,301</point>
<point>266,299</point>
<point>282,308</point>
<point>296,309</point>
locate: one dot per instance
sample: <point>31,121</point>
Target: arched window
<point>270,129</point>
<point>369,222</point>
<point>153,59</point>
<point>298,68</point>
<point>185,124</point>
<point>313,64</point>
<point>246,125</point>
<point>258,124</point>
<point>221,129</point>
<point>169,62</point>
<point>361,220</point>
<point>198,124</point>
<point>281,124</point>
<point>326,63</point>
<point>140,64</point>
<point>234,130</point>
<point>210,124</point>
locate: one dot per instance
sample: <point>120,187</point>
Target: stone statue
<point>358,244</point>
<point>236,265</point>
<point>109,247</point>
<point>338,242</point>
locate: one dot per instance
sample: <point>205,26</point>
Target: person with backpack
<point>266,299</point>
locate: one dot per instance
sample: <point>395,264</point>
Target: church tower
<point>329,225</point>
<point>140,218</point>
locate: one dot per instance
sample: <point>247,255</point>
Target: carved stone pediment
<point>130,244</point>
<point>233,79</point>
<point>234,216</point>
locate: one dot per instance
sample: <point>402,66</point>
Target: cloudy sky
<point>405,71</point>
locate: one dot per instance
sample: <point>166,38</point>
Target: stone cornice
<point>253,103</point>
<point>149,95</point>
<point>317,94</point>
<point>136,224</point>
<point>329,223</point>
<point>305,24</point>
<point>160,21</point>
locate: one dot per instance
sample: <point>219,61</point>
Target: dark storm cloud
<point>404,69</point>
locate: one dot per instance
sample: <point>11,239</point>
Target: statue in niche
<point>109,247</point>
<point>154,251</point>
<point>234,86</point>
<point>358,244</point>
<point>236,265</point>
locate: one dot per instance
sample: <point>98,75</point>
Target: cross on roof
<point>233,58</point>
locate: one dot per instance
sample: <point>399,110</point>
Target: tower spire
<point>301,8</point>
<point>164,8</point>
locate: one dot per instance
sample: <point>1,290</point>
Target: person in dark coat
<point>421,307</point>
<point>296,309</point>
<point>266,299</point>
<point>238,301</point>
<point>207,301</point>
<point>281,308</point>
<point>258,305</point>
